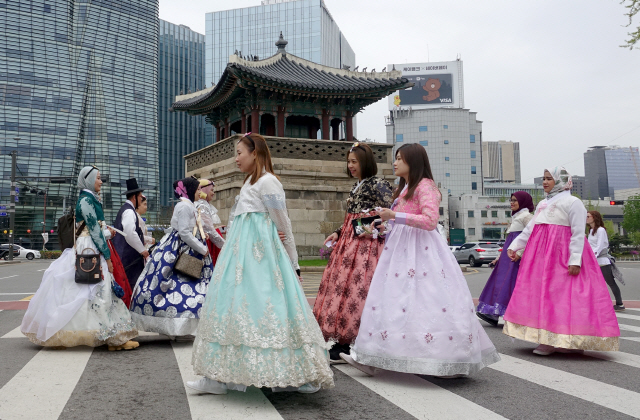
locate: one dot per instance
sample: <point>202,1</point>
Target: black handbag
<point>88,269</point>
<point>359,225</point>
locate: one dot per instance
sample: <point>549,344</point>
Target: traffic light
<point>616,202</point>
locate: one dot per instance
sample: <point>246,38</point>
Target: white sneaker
<point>369,370</point>
<point>208,385</point>
<point>308,389</point>
<point>544,350</point>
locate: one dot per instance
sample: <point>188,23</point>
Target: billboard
<point>436,85</point>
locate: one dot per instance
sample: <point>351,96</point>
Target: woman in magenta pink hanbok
<point>561,300</point>
<point>419,316</point>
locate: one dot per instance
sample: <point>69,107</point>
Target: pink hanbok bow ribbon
<point>181,190</point>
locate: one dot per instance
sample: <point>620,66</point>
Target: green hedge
<point>50,255</point>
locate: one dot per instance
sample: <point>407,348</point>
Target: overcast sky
<point>546,73</point>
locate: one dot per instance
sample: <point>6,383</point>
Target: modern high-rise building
<point>610,168</point>
<point>78,86</point>
<point>181,69</point>
<point>307,25</point>
<point>432,114</point>
<point>501,161</point>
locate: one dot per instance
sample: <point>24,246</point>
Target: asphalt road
<point>148,383</point>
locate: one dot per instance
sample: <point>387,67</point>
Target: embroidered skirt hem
<point>166,326</point>
<point>565,341</point>
<point>423,366</point>
<point>120,334</point>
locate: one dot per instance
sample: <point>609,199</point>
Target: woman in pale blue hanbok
<point>256,327</point>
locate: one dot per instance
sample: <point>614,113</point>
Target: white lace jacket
<point>209,215</point>
<point>267,196</point>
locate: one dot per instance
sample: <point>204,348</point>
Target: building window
<point>483,213</point>
<point>473,170</point>
<point>424,143</point>
<point>491,233</point>
<point>446,142</point>
<point>507,213</point>
<point>422,128</point>
<point>446,158</point>
<point>474,186</point>
<point>441,211</point>
<point>445,126</point>
<point>494,213</point>
<point>399,138</point>
<point>47,8</point>
<point>457,215</point>
<point>447,174</point>
<point>471,231</point>
<point>472,138</point>
<point>449,191</point>
<point>473,154</point>
<point>470,213</point>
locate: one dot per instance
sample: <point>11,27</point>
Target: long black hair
<point>416,157</point>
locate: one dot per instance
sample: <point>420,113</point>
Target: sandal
<point>129,345</point>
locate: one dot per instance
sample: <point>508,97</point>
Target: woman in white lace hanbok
<point>256,327</point>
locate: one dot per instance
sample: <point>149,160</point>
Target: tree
<point>608,225</point>
<point>635,239</point>
<point>633,7</point>
<point>631,213</point>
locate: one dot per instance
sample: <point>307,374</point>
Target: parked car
<point>478,253</point>
<point>21,252</point>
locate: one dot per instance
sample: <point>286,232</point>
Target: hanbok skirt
<point>256,326</point>
<point>345,283</point>
<point>551,307</point>
<point>419,316</point>
<point>63,313</point>
<point>164,300</point>
<point>119,275</point>
<point>497,292</point>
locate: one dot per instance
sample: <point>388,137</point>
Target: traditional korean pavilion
<point>287,96</point>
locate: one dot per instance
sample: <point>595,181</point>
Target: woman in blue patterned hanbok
<point>164,300</point>
<point>256,327</point>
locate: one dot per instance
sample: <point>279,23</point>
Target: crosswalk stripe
<point>605,395</point>
<point>419,397</point>
<point>623,358</point>
<point>14,333</point>
<point>633,309</point>
<point>626,316</point>
<point>234,405</point>
<point>625,327</point>
<point>44,385</point>
<point>637,339</point>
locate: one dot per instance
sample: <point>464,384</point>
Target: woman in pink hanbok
<point>419,316</point>
<point>560,300</point>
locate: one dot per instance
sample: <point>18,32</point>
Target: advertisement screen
<point>435,86</point>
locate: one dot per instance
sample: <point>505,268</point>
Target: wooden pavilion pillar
<point>227,131</point>
<point>280,121</point>
<point>349,122</point>
<point>255,120</point>
<point>243,122</point>
<point>217,125</point>
<point>325,125</point>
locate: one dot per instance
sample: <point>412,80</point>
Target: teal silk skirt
<point>256,327</point>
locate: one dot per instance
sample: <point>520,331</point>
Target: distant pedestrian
<point>166,300</point>
<point>560,300</point>
<point>599,242</point>
<point>64,313</point>
<point>497,292</point>
<point>131,247</point>
<point>210,218</point>
<point>345,282</point>
<point>419,314</point>
<point>256,327</point>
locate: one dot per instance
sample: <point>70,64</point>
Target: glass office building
<point>78,86</point>
<point>181,69</point>
<point>610,168</point>
<point>306,24</point>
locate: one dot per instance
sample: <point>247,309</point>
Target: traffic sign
<point>3,207</point>
<point>17,192</point>
<point>4,213</point>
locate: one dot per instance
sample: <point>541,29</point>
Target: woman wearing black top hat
<point>131,247</point>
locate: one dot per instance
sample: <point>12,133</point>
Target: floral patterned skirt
<point>256,326</point>
<point>345,284</point>
<point>166,301</point>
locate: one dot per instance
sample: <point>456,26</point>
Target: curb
<point>9,262</point>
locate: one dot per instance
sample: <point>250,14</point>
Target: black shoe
<point>619,308</point>
<point>487,319</point>
<point>334,353</point>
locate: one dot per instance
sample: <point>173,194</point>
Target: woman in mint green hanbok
<point>256,327</point>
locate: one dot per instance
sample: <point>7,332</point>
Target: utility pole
<point>12,204</point>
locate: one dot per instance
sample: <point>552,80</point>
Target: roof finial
<point>281,44</point>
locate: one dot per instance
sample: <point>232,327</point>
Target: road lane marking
<point>44,385</point>
<point>27,298</point>
<point>623,358</point>
<point>25,293</point>
<point>234,405</point>
<point>2,278</point>
<point>44,269</point>
<point>636,339</point>
<point>418,397</point>
<point>609,396</point>
<point>14,333</point>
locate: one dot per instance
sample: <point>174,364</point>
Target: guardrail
<point>627,258</point>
